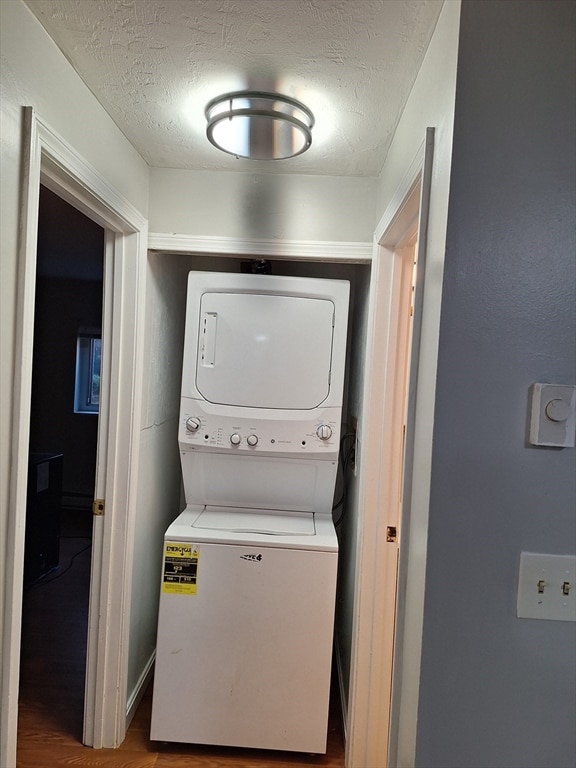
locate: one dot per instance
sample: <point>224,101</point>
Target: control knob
<point>235,438</point>
<point>252,440</point>
<point>192,424</point>
<point>324,432</point>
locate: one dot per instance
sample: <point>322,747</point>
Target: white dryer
<point>249,573</point>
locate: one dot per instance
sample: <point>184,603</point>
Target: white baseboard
<point>140,688</point>
<point>343,701</point>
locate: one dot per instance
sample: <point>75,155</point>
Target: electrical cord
<point>344,460</point>
<point>42,582</point>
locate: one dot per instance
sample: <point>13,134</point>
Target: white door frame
<point>380,605</point>
<point>382,571</point>
<point>50,160</point>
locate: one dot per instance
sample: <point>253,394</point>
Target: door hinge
<point>98,507</point>
<point>391,533</point>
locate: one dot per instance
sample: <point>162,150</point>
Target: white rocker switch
<point>553,415</point>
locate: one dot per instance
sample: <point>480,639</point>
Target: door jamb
<point>380,572</point>
<point>47,158</point>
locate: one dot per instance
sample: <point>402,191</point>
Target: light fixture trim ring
<point>265,95</point>
<point>304,126</point>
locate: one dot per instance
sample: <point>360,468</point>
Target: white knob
<point>324,432</point>
<point>252,440</point>
<point>192,424</point>
<point>557,410</point>
<point>235,439</point>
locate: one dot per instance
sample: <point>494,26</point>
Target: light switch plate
<point>547,587</point>
<point>553,415</point>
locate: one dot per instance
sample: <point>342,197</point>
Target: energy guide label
<point>180,568</point>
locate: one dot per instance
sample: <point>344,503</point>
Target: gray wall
<point>496,690</point>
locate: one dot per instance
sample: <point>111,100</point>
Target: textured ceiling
<point>154,64</point>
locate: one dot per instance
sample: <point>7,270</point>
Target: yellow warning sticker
<point>180,568</point>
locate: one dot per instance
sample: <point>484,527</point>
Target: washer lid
<point>264,351</point>
<point>239,520</point>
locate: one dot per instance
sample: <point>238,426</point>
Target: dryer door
<point>264,351</point>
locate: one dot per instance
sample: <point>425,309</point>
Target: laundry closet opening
<point>160,494</point>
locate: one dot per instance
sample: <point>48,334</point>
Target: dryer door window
<point>264,351</point>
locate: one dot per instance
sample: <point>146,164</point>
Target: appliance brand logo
<point>252,558</point>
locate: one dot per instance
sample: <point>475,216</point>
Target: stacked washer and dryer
<point>249,571</point>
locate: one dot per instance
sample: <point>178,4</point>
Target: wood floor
<point>55,614</point>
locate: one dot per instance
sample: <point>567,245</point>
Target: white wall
<point>159,497</point>
<point>431,104</point>
<point>34,73</point>
<point>273,207</point>
<point>158,493</point>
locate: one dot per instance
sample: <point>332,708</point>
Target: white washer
<point>246,653</point>
<point>249,573</point>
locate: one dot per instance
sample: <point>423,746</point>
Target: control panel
<point>203,431</point>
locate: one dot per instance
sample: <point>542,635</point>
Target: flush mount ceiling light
<point>259,125</point>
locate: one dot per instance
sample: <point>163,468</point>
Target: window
<point>87,388</point>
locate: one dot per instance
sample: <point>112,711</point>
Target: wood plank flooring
<point>55,615</point>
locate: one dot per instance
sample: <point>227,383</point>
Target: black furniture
<point>42,515</point>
